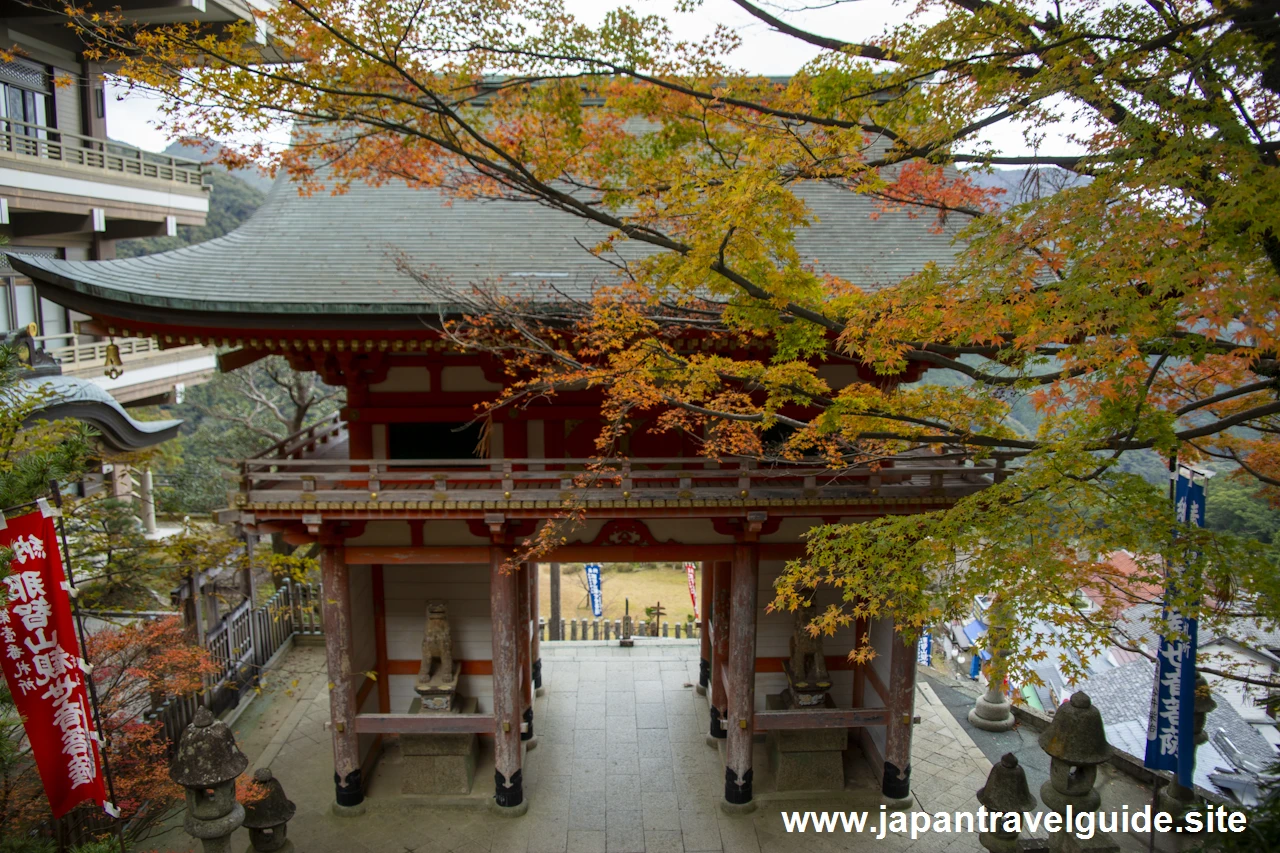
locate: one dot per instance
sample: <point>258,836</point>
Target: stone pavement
<point>621,766</point>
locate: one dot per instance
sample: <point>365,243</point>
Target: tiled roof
<point>338,255</point>
<point>1123,695</point>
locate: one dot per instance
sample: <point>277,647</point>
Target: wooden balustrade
<point>441,483</point>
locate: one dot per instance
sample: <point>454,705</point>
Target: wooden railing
<point>84,356</point>
<point>241,645</point>
<point>552,482</point>
<point>47,143</point>
<point>305,441</point>
<point>612,629</point>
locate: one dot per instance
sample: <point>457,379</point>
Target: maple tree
<point>132,665</point>
<point>1135,307</point>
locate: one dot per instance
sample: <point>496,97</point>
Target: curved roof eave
<point>90,298</point>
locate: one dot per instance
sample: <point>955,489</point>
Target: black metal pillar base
<point>508,793</point>
<point>737,793</point>
<point>704,673</point>
<point>349,792</point>
<point>527,733</point>
<point>897,783</point>
<point>537,674</point>
<point>717,724</point>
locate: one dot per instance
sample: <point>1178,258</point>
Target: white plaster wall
<point>881,633</point>
<point>405,378</point>
<point>466,589</point>
<point>364,655</point>
<point>380,532</point>
<point>466,378</point>
<point>369,706</point>
<point>773,639</point>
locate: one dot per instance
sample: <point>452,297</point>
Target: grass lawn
<point>645,588</point>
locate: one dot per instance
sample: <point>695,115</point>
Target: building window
<point>26,95</point>
<point>20,305</point>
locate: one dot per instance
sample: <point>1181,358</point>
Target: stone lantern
<point>267,818</point>
<point>1076,742</point>
<point>1006,791</point>
<point>206,764</point>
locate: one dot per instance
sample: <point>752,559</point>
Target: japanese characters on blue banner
<point>593,589</point>
<point>1170,740</point>
<point>924,649</point>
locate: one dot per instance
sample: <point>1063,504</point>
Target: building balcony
<point>55,182</point>
<point>20,139</point>
<point>147,374</point>
<point>311,476</point>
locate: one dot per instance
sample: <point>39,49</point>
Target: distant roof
<point>1123,696</point>
<point>72,397</point>
<point>331,260</point>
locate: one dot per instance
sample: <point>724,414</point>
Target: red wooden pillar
<point>534,605</point>
<point>901,706</point>
<point>720,622</point>
<point>704,595</point>
<point>336,596</point>
<point>742,673</point>
<point>508,781</point>
<point>523,651</point>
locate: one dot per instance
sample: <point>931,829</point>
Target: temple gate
<point>410,507</point>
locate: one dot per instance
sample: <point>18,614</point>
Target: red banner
<point>691,569</point>
<point>41,661</point>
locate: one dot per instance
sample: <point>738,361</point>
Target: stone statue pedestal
<point>440,763</point>
<point>807,694</point>
<point>437,693</point>
<point>806,759</point>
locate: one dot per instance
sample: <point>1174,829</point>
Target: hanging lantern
<point>114,366</point>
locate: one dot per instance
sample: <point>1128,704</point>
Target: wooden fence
<point>241,646</point>
<point>613,629</point>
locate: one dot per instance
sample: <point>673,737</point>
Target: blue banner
<point>593,589</point>
<point>924,649</point>
<point>1170,732</point>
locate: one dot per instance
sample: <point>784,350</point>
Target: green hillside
<point>231,202</point>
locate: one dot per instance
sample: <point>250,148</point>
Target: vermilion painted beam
<point>392,555</point>
<point>424,724</point>
<point>411,667</point>
<point>820,718</point>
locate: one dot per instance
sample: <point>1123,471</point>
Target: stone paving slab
<point>622,766</point>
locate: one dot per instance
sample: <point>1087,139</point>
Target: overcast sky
<point>131,116</point>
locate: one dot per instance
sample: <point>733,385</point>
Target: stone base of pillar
<point>704,677</point>
<point>348,811</point>
<point>537,677</point>
<point>992,712</point>
<point>738,809</point>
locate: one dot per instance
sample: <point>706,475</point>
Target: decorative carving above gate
<point>627,532</point>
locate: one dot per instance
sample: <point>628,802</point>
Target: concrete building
<point>68,192</point>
